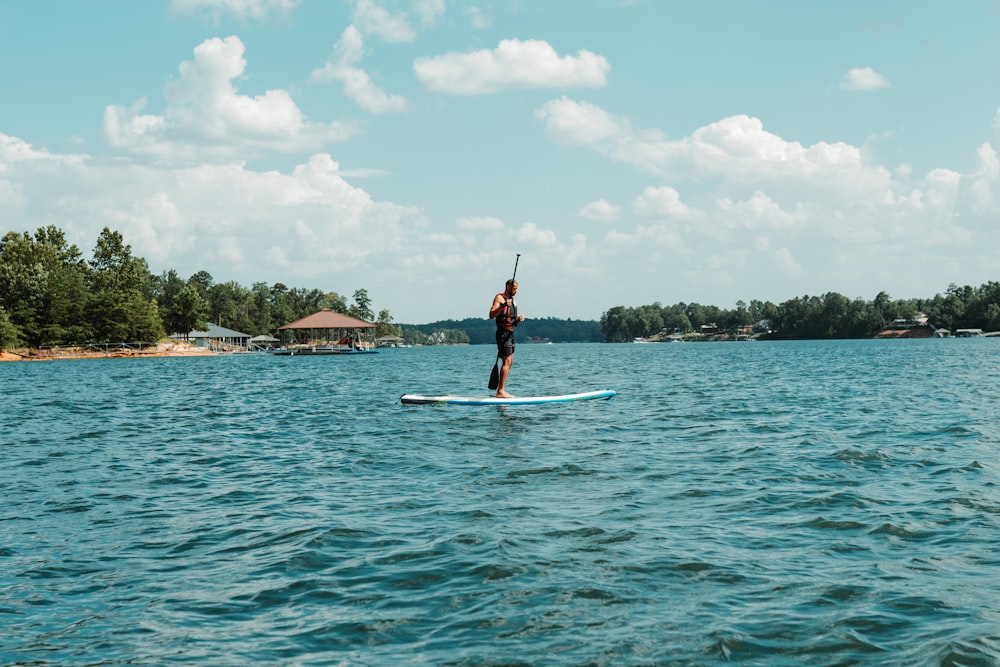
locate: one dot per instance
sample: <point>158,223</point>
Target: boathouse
<point>329,331</point>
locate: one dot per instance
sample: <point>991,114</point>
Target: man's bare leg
<point>504,371</point>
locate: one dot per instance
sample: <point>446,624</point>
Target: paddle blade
<point>495,376</point>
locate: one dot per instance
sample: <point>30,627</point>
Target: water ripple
<point>780,504</point>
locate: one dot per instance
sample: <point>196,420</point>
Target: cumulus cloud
<point>16,157</point>
<point>661,202</point>
<point>572,122</point>
<point>428,11</point>
<point>759,207</point>
<point>206,118</point>
<point>984,181</point>
<point>737,150</point>
<point>479,19</point>
<point>394,27</point>
<point>863,78</point>
<point>759,211</point>
<point>530,233</point>
<point>305,227</point>
<point>358,85</point>
<point>513,64</point>
<point>489,224</point>
<point>258,10</point>
<point>601,211</point>
<point>786,263</point>
<point>646,237</point>
<point>214,216</point>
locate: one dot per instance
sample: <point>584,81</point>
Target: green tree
<point>260,310</point>
<point>118,308</point>
<point>66,304</point>
<point>413,336</point>
<point>23,284</point>
<point>648,320</point>
<point>189,311</point>
<point>384,325</point>
<point>448,337</point>
<point>762,312</point>
<point>281,303</point>
<point>167,286</point>
<point>10,335</point>
<point>230,305</point>
<point>202,281</point>
<point>991,321</point>
<point>675,318</point>
<point>43,286</point>
<point>696,315</point>
<point>884,307</point>
<point>614,325</point>
<point>742,315</point>
<point>362,306</point>
<point>334,302</point>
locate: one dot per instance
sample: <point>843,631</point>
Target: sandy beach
<point>168,349</point>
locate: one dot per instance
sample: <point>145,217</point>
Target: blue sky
<point>630,151</point>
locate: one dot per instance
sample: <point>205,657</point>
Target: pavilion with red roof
<point>329,332</point>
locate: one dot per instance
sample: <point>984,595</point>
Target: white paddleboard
<point>448,399</point>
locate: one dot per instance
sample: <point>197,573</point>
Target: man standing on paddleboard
<point>504,312</point>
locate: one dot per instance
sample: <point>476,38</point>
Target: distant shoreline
<point>172,349</point>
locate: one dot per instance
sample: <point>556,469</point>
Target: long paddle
<point>495,375</point>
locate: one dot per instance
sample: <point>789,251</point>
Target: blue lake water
<point>796,503</point>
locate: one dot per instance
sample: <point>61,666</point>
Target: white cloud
<point>735,150</point>
<point>479,19</point>
<point>428,10</point>
<point>984,182</point>
<point>358,85</point>
<point>207,119</point>
<point>214,217</point>
<point>513,64</point>
<point>661,202</point>
<point>373,19</point>
<point>154,224</point>
<point>759,211</point>
<point>571,122</point>
<point>485,224</point>
<point>601,211</point>
<point>759,208</point>
<point>863,78</point>
<point>307,227</point>
<point>786,262</point>
<point>258,10</point>
<point>646,238</point>
<point>530,233</point>
<point>942,189</point>
<point>14,151</point>
<point>335,222</point>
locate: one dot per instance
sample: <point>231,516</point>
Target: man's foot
<point>503,394</point>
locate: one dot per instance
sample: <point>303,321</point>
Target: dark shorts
<point>505,343</point>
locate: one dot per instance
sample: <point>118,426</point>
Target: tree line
<point>481,330</point>
<point>831,315</point>
<point>51,295</point>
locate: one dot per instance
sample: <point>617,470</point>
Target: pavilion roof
<point>214,331</point>
<point>327,319</point>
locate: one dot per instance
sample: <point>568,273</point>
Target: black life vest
<point>508,316</point>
